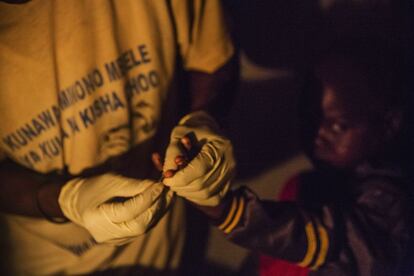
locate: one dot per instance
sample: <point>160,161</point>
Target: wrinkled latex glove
<point>206,178</point>
<point>114,209</point>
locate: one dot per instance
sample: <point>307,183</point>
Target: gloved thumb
<point>132,207</point>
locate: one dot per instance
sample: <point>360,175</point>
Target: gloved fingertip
<point>186,142</point>
<point>157,189</point>
<point>168,173</point>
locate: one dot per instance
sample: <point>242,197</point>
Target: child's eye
<point>338,127</point>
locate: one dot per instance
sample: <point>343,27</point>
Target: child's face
<point>345,136</point>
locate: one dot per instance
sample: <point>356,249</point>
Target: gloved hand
<point>206,178</point>
<point>94,204</point>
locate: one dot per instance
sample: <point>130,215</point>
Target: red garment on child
<point>269,266</point>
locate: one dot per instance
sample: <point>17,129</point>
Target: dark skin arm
<point>214,92</point>
<point>19,187</point>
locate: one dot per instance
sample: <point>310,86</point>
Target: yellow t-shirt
<point>81,81</point>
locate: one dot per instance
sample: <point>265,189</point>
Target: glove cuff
<point>68,198</point>
<point>199,117</point>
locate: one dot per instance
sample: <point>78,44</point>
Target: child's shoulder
<point>382,193</point>
<point>390,179</point>
<point>372,186</point>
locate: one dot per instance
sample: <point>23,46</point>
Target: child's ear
<point>393,121</point>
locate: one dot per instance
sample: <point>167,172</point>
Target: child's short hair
<point>377,66</point>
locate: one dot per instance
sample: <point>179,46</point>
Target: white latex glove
<point>206,178</point>
<point>91,203</point>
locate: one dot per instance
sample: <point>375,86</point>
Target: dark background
<point>289,35</point>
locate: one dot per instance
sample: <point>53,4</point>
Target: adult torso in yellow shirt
<point>82,81</point>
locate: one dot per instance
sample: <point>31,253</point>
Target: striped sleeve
<point>317,245</point>
<point>368,232</point>
<point>233,216</point>
<point>277,229</point>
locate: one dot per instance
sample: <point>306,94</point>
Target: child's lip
<point>322,149</point>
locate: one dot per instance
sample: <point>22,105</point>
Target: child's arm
<point>367,235</point>
<point>365,238</point>
<point>278,229</point>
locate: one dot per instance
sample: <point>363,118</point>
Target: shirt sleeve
<point>367,236</point>
<point>203,37</point>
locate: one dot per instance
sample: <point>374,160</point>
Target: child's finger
<point>156,160</point>
<point>181,161</point>
<point>168,173</point>
<point>186,142</point>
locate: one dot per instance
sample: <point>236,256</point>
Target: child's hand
<point>181,161</point>
<point>206,178</point>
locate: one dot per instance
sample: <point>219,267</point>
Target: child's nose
<point>323,137</point>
